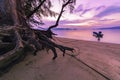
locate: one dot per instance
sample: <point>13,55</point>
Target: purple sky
<point>89,13</point>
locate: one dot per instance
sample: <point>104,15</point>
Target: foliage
<point>45,9</point>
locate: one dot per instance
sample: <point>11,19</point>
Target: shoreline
<point>104,57</point>
<point>89,41</point>
<point>110,36</point>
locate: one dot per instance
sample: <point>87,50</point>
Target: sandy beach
<point>103,58</point>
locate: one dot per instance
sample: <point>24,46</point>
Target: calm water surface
<point>110,35</point>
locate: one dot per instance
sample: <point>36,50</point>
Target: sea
<point>109,35</point>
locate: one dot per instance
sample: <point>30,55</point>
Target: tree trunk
<point>18,34</point>
<point>5,13</point>
<point>12,48</point>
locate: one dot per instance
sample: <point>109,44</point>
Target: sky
<point>88,14</point>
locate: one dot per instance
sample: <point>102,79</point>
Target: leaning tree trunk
<point>11,45</point>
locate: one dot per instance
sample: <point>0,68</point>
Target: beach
<point>102,59</point>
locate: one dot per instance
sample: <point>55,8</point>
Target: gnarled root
<point>47,43</point>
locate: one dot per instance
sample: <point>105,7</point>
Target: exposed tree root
<point>40,41</point>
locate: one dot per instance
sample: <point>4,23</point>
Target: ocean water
<point>110,35</point>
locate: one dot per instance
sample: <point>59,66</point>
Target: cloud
<point>85,11</point>
<point>108,11</point>
<point>82,10</point>
<point>107,19</point>
<point>100,7</point>
<point>79,8</point>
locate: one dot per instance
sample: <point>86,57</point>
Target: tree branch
<point>36,9</point>
<point>58,19</point>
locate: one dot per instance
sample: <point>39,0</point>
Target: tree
<point>16,17</point>
<point>98,35</point>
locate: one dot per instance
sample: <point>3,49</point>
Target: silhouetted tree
<point>16,32</point>
<point>98,35</point>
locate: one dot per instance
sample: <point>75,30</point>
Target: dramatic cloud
<point>88,13</point>
<point>108,11</point>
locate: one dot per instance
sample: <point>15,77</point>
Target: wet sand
<point>103,57</point>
